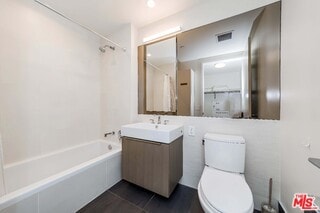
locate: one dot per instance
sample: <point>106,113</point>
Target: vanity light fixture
<point>219,65</point>
<point>167,32</point>
<point>149,55</point>
<point>151,3</point>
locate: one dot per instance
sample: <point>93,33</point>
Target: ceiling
<point>107,16</point>
<point>232,65</point>
<point>202,42</point>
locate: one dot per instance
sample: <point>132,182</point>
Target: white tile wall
<point>49,81</point>
<point>119,82</point>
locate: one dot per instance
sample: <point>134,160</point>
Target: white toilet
<point>222,187</point>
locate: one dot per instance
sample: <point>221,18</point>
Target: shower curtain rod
<point>81,25</point>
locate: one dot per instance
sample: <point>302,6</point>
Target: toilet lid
<point>225,191</point>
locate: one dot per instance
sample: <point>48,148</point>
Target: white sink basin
<point>153,132</point>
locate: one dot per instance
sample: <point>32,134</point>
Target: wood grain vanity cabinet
<point>152,165</point>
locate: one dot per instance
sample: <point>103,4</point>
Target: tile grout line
<point>132,204</point>
<point>148,202</point>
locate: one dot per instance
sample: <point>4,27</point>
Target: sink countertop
<point>153,132</point>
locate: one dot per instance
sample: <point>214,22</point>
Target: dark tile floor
<point>125,197</point>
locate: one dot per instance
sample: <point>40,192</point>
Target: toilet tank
<point>225,152</point>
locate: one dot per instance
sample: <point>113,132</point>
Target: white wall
<point>300,92</point>
<point>119,99</point>
<point>263,140</point>
<point>223,80</point>
<point>49,81</point>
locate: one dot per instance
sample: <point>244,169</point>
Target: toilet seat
<point>224,192</point>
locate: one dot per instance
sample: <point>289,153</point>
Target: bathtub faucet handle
<point>109,133</point>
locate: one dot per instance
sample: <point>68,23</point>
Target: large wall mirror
<point>161,63</point>
<point>229,69</point>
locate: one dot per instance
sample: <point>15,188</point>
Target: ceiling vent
<point>224,36</point>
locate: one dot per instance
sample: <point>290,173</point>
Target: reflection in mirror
<point>236,65</point>
<point>230,68</point>
<point>222,88</point>
<point>161,76</point>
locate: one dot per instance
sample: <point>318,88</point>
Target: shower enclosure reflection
<point>222,88</point>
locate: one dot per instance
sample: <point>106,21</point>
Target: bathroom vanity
<point>155,164</point>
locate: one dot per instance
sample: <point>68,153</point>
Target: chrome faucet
<point>159,119</point>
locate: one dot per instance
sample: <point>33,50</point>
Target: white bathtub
<point>63,181</point>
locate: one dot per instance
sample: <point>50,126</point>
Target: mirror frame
<point>142,79</point>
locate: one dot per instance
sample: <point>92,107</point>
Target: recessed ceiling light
<point>149,54</point>
<point>219,65</point>
<point>151,3</point>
